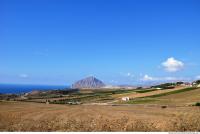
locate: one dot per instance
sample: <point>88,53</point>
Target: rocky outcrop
<point>89,82</point>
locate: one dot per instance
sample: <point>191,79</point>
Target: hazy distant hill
<point>89,82</point>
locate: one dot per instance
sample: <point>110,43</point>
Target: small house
<point>125,99</point>
<point>158,88</point>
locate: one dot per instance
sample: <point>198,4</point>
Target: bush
<point>165,86</point>
<point>197,104</point>
<point>163,107</point>
<point>198,82</point>
<point>179,83</point>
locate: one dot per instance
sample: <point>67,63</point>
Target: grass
<point>110,92</point>
<point>34,117</point>
<point>172,92</point>
<point>145,91</point>
<point>182,97</point>
<point>101,92</point>
<point>84,96</point>
<point>139,101</point>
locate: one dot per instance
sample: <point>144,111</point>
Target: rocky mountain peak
<point>89,82</point>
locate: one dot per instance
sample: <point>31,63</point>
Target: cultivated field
<point>151,110</point>
<point>150,93</point>
<point>179,97</point>
<point>27,116</point>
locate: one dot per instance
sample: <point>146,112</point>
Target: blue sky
<point>118,41</point>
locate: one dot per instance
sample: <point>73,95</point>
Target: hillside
<point>179,97</point>
<point>89,82</point>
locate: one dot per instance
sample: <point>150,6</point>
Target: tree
<point>197,82</point>
<point>179,83</point>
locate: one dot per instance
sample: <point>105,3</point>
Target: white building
<point>158,88</point>
<point>125,99</point>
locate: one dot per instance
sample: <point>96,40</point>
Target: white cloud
<point>150,78</point>
<point>114,81</point>
<point>147,78</point>
<point>130,75</point>
<point>170,78</point>
<point>198,77</point>
<point>172,65</point>
<point>23,75</point>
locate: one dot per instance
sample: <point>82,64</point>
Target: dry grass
<point>188,97</point>
<point>179,99</point>
<point>18,116</point>
<point>186,122</point>
<point>156,92</point>
<point>182,98</point>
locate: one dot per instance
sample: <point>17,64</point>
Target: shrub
<point>197,104</point>
<point>163,107</point>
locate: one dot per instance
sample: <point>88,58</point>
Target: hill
<point>89,82</point>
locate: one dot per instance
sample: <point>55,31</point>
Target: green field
<point>173,92</point>
<point>187,96</point>
<point>145,91</point>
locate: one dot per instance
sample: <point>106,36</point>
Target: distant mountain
<point>89,82</point>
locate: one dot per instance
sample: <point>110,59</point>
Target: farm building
<point>125,99</point>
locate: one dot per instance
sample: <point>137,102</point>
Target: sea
<point>19,88</point>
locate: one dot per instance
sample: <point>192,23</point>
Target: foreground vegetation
<point>21,116</point>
